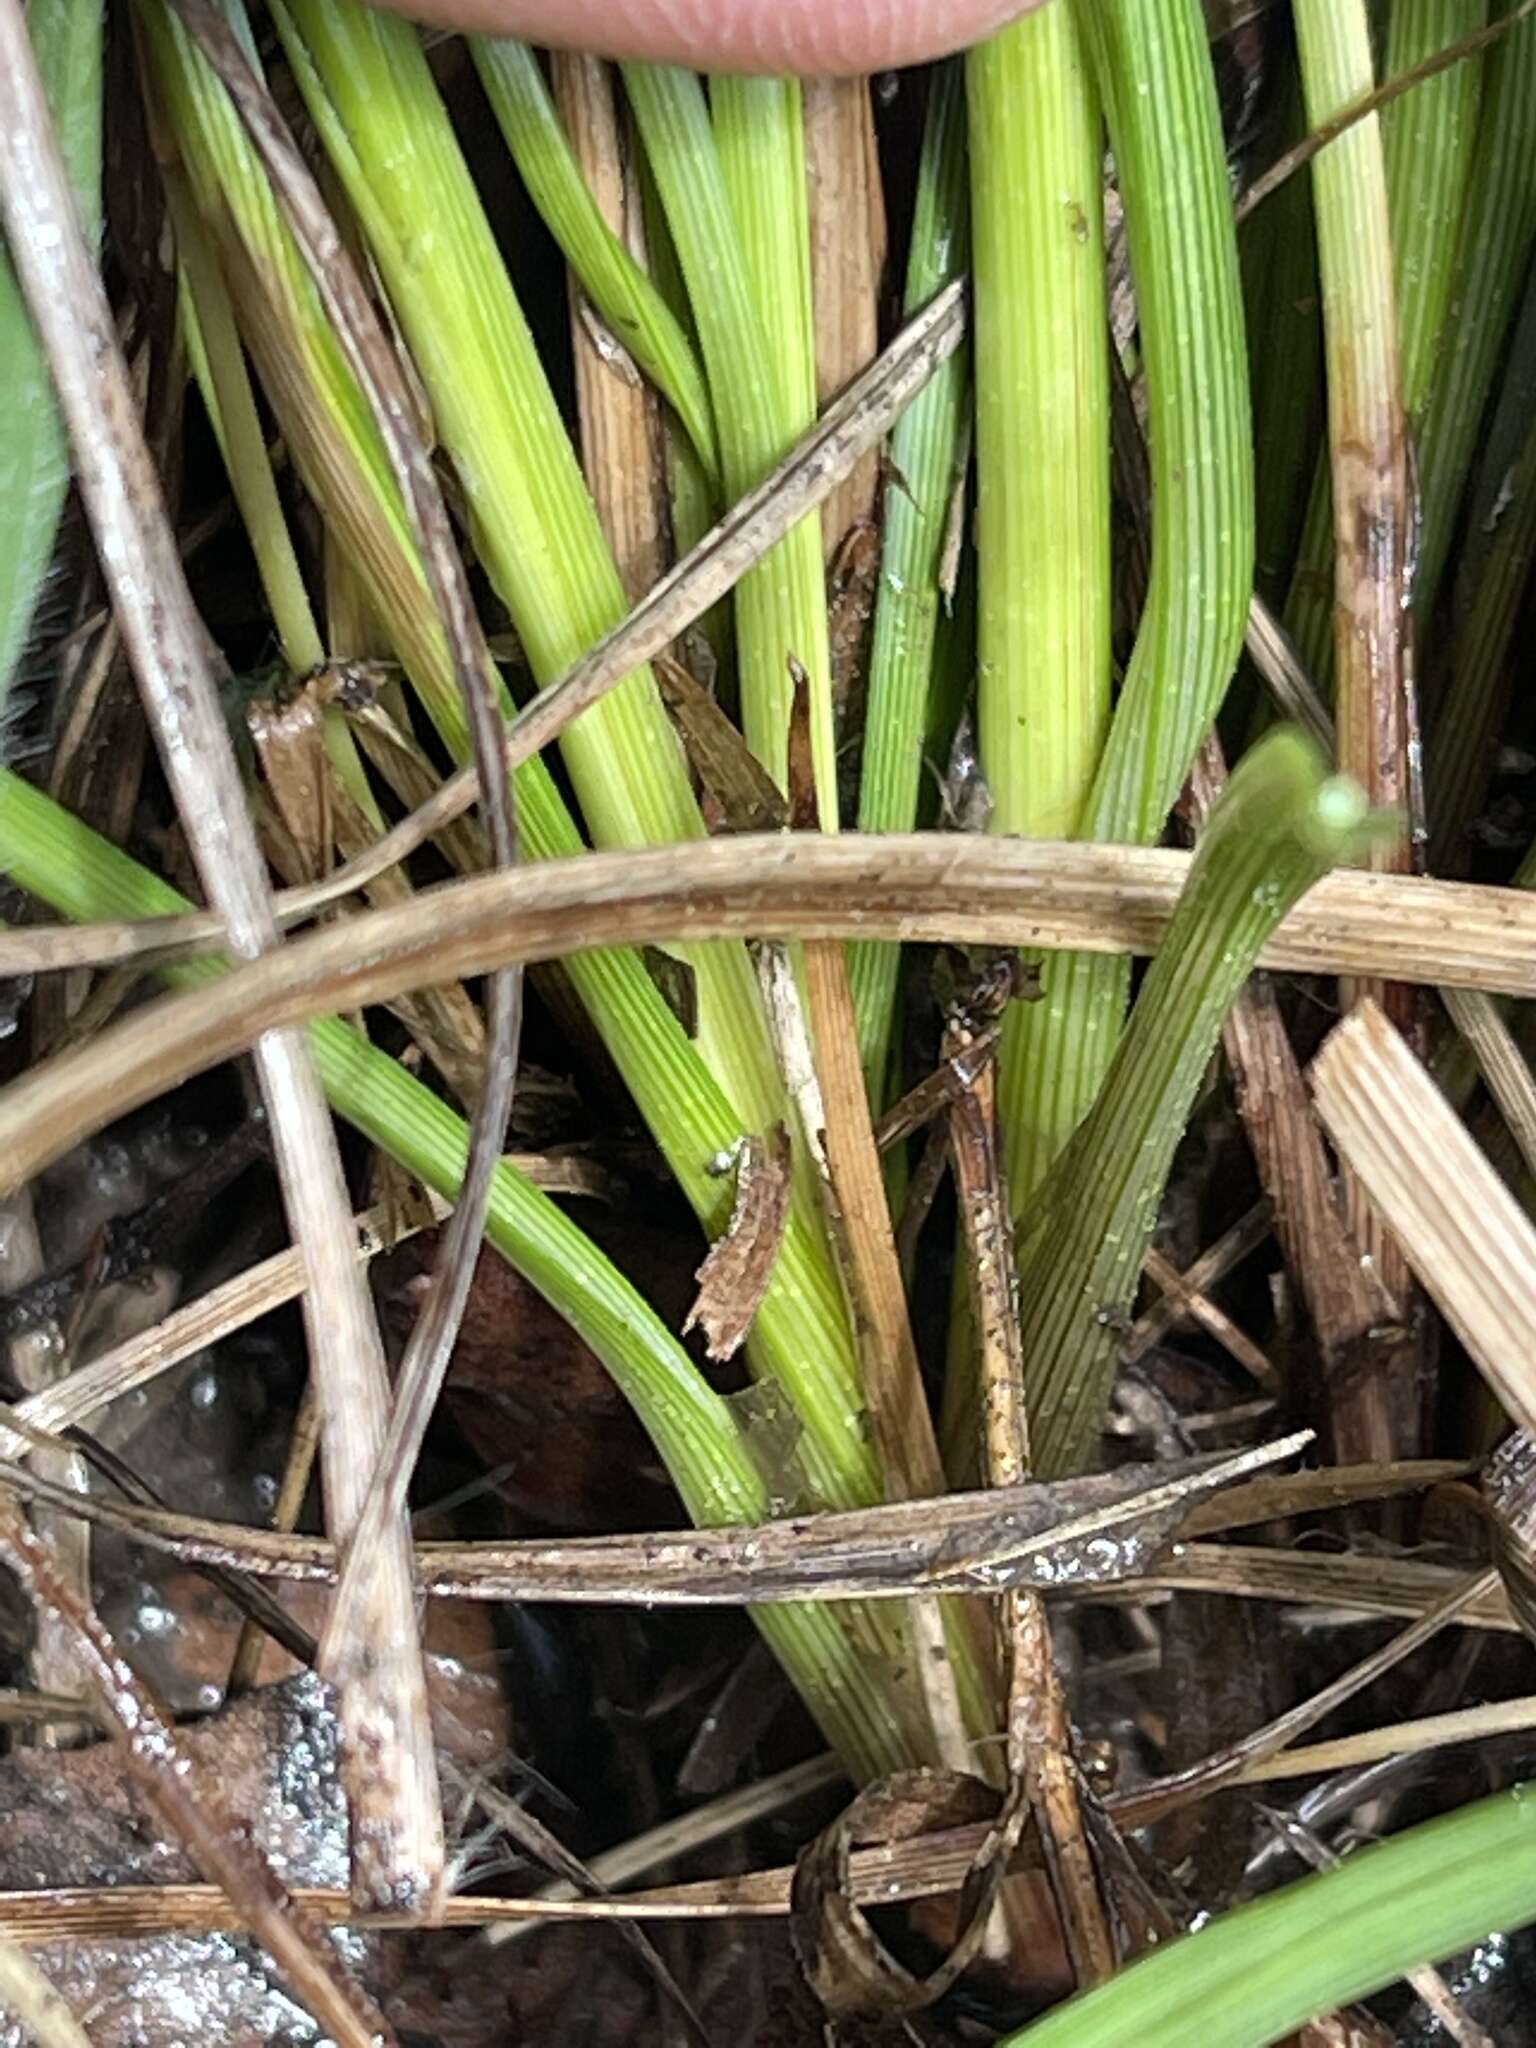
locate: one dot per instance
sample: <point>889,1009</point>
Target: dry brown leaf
<point>738,1266</point>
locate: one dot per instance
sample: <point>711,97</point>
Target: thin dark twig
<point>398,1848</point>
<point>1297,158</point>
<point>1166,1795</point>
<point>372,361</point>
<point>530,1834</point>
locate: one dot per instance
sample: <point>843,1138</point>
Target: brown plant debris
<point>737,1267</point>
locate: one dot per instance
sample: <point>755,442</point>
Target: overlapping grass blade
<point>719,179</point>
<point>1280,825</point>
<point>34,461</point>
<point>621,291</point>
<point>917,500</point>
<point>1042,479</point>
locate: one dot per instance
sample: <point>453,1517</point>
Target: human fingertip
<point>812,37</point>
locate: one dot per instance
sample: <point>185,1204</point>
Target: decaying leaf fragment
<point>845,1962</point>
<point>739,1264</point>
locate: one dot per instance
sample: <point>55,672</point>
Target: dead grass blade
<point>825,1082</point>
<point>861,1226</point>
<point>952,888</point>
<point>26,1992</point>
<point>1042,1774</point>
<point>848,251</point>
<point>1500,1062</point>
<point>1353,1585</point>
<point>923,887</point>
<point>621,431</point>
<point>1047,1535</point>
<point>1464,1234</point>
<point>397,1838</point>
<point>1402,1738</point>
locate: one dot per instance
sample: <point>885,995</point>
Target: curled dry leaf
<point>738,1266</point>
<point>845,1961</point>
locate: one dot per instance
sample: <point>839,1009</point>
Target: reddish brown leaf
<point>738,1266</point>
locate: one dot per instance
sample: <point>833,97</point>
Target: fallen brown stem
<point>964,889</point>
<point>965,1542</point>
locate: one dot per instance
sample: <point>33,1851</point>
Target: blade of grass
<point>729,191</point>
<point>621,291</point>
<point>1042,504</point>
<point>1257,1973</point>
<point>1279,826</point>
<point>66,38</point>
<point>1153,65</point>
<point>923,451</point>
